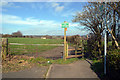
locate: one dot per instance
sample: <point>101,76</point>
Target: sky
<point>40,18</point>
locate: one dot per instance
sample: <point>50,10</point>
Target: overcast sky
<point>40,18</point>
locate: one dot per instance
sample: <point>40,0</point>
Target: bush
<point>92,47</point>
<point>76,39</point>
<point>113,64</point>
<point>113,59</point>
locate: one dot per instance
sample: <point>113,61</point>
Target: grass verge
<point>17,63</point>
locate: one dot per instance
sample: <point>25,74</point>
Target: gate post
<point>82,48</point>
<point>67,51</point>
<point>4,51</point>
<point>76,48</point>
<point>64,44</point>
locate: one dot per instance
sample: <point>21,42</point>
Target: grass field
<point>28,49</point>
<point>35,41</point>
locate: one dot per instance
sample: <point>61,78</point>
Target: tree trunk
<point>114,29</point>
<point>113,37</point>
<point>99,45</point>
<point>107,39</point>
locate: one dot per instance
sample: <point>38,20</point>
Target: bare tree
<point>114,10</point>
<point>92,18</point>
<point>17,34</point>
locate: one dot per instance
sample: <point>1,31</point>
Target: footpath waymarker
<point>65,25</point>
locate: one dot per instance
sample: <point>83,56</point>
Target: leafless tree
<point>93,18</point>
<point>17,34</point>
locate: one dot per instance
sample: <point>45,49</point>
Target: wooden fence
<point>37,44</point>
<point>6,50</point>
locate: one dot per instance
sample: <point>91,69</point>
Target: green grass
<point>34,41</point>
<point>28,49</point>
<point>44,62</point>
<point>61,61</point>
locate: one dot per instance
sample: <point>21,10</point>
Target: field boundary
<point>37,44</point>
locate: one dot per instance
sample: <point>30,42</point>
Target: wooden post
<point>64,44</point>
<point>83,48</point>
<point>67,50</point>
<point>76,48</point>
<point>76,52</point>
<point>87,36</point>
<point>4,48</point>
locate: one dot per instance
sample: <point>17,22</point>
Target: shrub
<point>76,39</point>
<point>113,59</point>
<point>92,47</point>
<point>113,64</point>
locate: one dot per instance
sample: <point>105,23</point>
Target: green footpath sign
<point>65,25</point>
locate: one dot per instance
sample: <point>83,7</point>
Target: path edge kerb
<point>48,72</point>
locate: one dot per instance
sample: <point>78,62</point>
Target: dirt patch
<point>55,53</point>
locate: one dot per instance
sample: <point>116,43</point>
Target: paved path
<point>79,69</point>
<point>35,72</point>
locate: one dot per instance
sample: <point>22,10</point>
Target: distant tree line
<point>14,34</point>
<point>19,34</point>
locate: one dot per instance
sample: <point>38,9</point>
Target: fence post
<point>82,48</point>
<point>4,48</point>
<point>76,50</point>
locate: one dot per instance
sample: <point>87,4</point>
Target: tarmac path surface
<point>79,69</point>
<point>35,72</point>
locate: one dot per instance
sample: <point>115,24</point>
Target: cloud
<point>33,6</point>
<point>12,19</point>
<point>55,4</point>
<point>74,24</point>
<point>8,4</point>
<point>57,7</point>
<point>70,12</point>
<point>5,4</point>
<point>16,20</point>
<point>60,8</point>
<point>37,6</point>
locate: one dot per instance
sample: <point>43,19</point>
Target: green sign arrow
<point>65,25</point>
